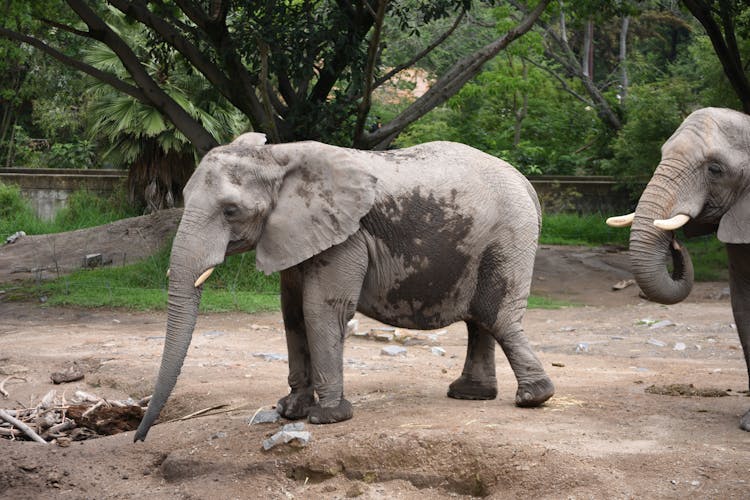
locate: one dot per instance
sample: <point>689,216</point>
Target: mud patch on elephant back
<point>427,234</point>
<point>686,391</point>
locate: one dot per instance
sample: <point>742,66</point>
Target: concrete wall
<point>48,189</point>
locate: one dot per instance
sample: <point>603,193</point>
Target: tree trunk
<point>623,58</point>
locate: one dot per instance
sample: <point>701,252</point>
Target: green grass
<point>236,285</point>
<point>707,253</point>
<point>571,229</point>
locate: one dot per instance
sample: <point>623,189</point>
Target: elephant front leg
<point>739,285</point>
<point>477,381</point>
<point>332,284</point>
<point>298,402</point>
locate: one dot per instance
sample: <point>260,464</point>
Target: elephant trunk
<point>182,313</point>
<point>651,249</point>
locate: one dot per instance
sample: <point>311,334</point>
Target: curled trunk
<point>651,249</point>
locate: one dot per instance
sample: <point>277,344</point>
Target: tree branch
<point>372,52</point>
<point>419,56</point>
<point>201,139</point>
<point>451,82</point>
<point>102,76</point>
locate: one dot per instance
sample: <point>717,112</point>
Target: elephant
<point>417,238</point>
<point>701,184</point>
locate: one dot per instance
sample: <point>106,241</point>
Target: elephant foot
<point>745,421</point>
<point>465,388</point>
<point>330,415</point>
<point>296,405</point>
<point>534,393</point>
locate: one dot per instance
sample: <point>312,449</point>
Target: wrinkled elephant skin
<point>703,182</point>
<point>416,238</point>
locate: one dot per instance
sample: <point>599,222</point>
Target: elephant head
<point>701,183</point>
<point>289,202</point>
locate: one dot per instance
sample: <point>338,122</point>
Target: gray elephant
<point>416,238</point>
<point>703,185</point>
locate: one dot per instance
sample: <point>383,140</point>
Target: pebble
<point>264,417</point>
<point>301,438</point>
<point>661,324</point>
<point>271,356</point>
<point>582,347</point>
<point>393,350</point>
<point>679,346</point>
<point>438,351</point>
<point>213,333</point>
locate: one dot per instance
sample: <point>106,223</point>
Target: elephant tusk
<point>621,220</point>
<point>675,222</point>
<point>203,277</point>
<point>169,271</point>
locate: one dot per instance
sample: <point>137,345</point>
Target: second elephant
<point>416,238</point>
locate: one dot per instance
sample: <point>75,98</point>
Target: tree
<point>721,19</point>
<point>297,69</point>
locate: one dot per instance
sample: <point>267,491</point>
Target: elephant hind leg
<point>498,306</point>
<point>477,381</point>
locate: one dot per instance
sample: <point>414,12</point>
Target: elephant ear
<point>323,195</point>
<point>734,226</point>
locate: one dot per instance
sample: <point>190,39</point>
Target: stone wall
<point>48,189</point>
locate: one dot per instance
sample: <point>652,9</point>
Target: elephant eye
<point>231,211</point>
<point>715,168</point>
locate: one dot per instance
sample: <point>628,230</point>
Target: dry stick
<point>201,412</point>
<point>13,433</point>
<point>6,379</point>
<point>21,426</point>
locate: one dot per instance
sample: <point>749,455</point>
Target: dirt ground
<point>602,435</point>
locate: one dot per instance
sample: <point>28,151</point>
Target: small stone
<point>14,237</point>
<point>293,427</point>
<point>383,337</point>
<point>299,438</point>
<point>92,260</point>
<point>219,435</point>
<point>72,374</point>
<point>567,329</point>
<point>559,365</point>
<point>679,346</point>
<point>657,343</point>
<point>351,327</point>
<point>393,350</point>
<point>270,356</point>
<point>264,417</point>
<point>582,347</point>
<point>437,351</point>
<point>661,324</point>
<point>212,333</point>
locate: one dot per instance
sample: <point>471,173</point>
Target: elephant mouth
<point>238,246</point>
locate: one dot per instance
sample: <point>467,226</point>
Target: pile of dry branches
<point>57,420</point>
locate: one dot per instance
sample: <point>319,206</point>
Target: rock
<point>559,365</point>
<point>582,347</point>
<point>92,260</point>
<point>679,346</point>
<point>621,285</point>
<point>661,324</point>
<point>351,327</point>
<point>293,427</point>
<point>437,351</point>
<point>383,337</point>
<point>393,350</point>
<point>219,435</point>
<point>657,343</point>
<point>567,329</point>
<point>296,437</point>
<point>264,417</point>
<point>72,374</point>
<point>14,237</point>
<point>271,356</point>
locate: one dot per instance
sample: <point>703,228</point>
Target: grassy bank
<point>237,285</point>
